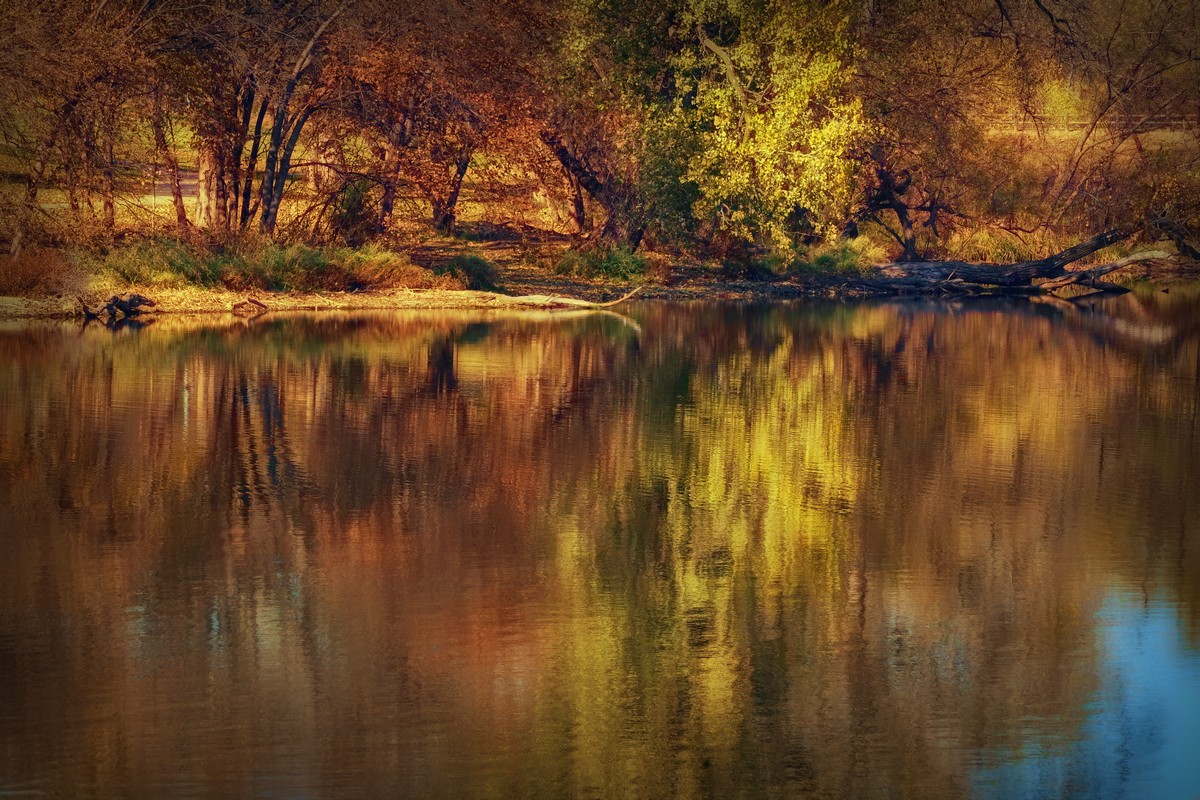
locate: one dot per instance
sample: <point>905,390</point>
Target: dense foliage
<point>732,128</point>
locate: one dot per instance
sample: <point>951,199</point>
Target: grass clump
<point>154,262</point>
<point>373,267</point>
<point>614,263</point>
<point>476,271</point>
<point>299,268</point>
<point>846,257</point>
<point>295,268</point>
<point>988,246</point>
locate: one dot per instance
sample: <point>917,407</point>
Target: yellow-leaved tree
<point>764,87</point>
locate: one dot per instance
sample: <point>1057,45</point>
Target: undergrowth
<point>615,263</point>
<point>268,267</point>
<point>37,272</point>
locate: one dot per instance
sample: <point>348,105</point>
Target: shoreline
<point>528,290</point>
<point>553,294</point>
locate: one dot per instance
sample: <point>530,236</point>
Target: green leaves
<point>751,123</point>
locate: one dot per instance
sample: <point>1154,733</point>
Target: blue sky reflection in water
<point>818,550</point>
<point>1141,737</point>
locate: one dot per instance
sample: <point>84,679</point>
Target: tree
<point>734,117</point>
<point>1030,118</point>
<point>249,76</point>
<point>72,84</point>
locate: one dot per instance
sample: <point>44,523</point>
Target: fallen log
<point>128,306</point>
<point>1037,276</point>
<point>1021,273</point>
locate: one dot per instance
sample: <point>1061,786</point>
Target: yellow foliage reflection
<point>827,549</point>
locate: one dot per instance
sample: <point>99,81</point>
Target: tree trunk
<point>212,207</point>
<point>158,124</point>
<point>279,151</point>
<point>1180,236</point>
<point>624,224</point>
<point>579,210</point>
<point>279,164</point>
<point>445,210</point>
<point>31,205</point>
<point>908,239</point>
<point>391,175</point>
<point>324,177</point>
<point>246,98</point>
<point>220,181</point>
<point>621,228</point>
<point>247,188</point>
<point>204,188</point>
<point>109,189</point>
<point>270,202</point>
<point>889,196</point>
<point>443,218</point>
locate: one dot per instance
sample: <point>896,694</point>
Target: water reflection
<point>827,550</point>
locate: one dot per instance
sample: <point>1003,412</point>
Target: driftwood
<point>128,306</point>
<point>558,301</point>
<point>251,305</point>
<point>970,278</point>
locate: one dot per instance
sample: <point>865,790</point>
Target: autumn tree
<point>428,100</point>
<point>1028,118</point>
<point>249,75</point>
<point>72,88</point>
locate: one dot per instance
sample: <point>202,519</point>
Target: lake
<point>893,549</point>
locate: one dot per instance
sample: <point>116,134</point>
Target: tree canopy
<point>710,126</point>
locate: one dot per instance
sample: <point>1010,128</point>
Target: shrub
<point>292,268</point>
<point>752,265</point>
<point>35,272</point>
<point>372,267</point>
<point>476,271</point>
<point>295,268</point>
<point>353,218</point>
<point>614,263</point>
<point>166,263</point>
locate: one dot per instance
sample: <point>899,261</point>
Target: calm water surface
<point>879,550</point>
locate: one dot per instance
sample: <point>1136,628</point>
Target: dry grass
<point>38,272</point>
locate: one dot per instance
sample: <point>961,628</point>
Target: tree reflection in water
<point>842,550</point>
